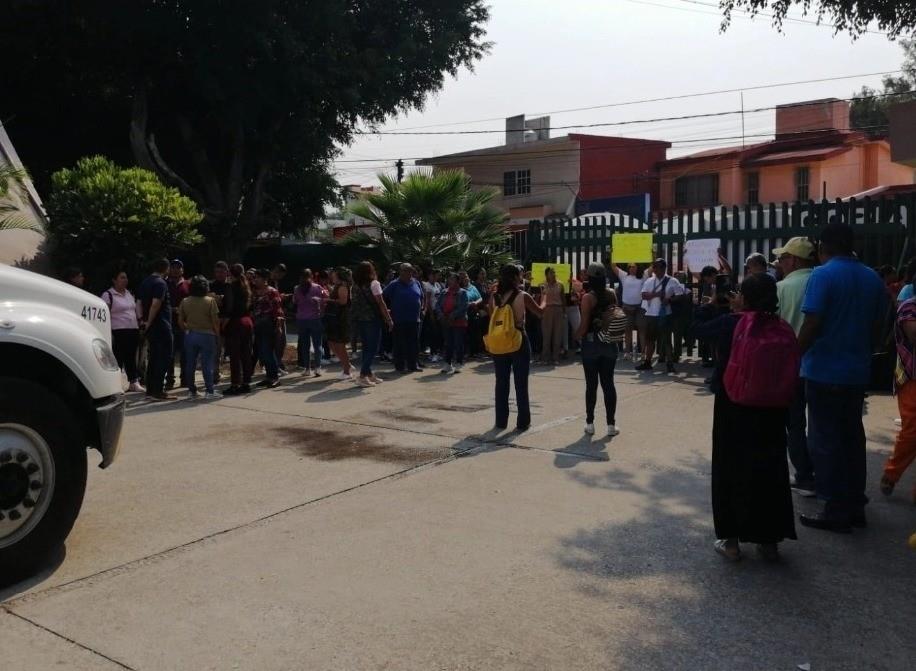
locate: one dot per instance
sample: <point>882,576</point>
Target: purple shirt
<point>306,305</point>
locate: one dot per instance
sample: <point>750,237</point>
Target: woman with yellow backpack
<point>507,342</point>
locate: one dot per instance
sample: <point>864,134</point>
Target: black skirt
<point>337,326</point>
<point>751,498</point>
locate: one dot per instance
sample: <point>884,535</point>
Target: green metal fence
<point>884,231</point>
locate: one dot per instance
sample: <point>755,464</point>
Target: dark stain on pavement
<point>406,416</point>
<point>445,407</point>
<point>336,446</point>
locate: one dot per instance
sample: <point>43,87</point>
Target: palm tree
<point>11,217</point>
<point>434,218</point>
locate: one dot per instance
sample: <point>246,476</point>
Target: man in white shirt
<point>657,292</point>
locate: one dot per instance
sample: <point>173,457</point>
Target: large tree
<point>241,105</point>
<point>896,17</point>
<point>869,110</point>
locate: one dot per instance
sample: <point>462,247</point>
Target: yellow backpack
<point>502,336</point>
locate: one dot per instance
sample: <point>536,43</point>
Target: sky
<point>549,56</point>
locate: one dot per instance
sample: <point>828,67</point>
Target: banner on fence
<point>539,274</point>
<point>701,253</point>
<point>632,248</point>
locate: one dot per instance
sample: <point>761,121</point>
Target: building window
<point>753,188</point>
<point>696,191</point>
<point>516,182</point>
<point>523,181</point>
<point>802,182</point>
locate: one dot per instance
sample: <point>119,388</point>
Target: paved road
<point>320,526</point>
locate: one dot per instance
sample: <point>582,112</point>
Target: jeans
<point>406,343</point>
<point>266,337</point>
<point>517,364</point>
<point>370,333</point>
<point>836,441</point>
<point>239,343</point>
<point>280,346</point>
<point>599,360</point>
<point>159,357</point>
<point>796,425</point>
<point>202,346</point>
<point>310,332</point>
<point>124,343</point>
<point>454,344</point>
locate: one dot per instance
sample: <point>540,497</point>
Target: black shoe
<point>821,521</point>
<point>232,391</point>
<point>245,389</point>
<point>522,429</point>
<point>271,384</point>
<point>707,381</point>
<point>670,368</point>
<point>418,369</point>
<point>644,366</point>
<point>708,364</point>
<point>858,520</point>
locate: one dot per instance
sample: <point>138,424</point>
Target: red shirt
<point>448,304</point>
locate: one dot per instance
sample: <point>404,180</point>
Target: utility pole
<point>400,167</point>
<point>742,120</point>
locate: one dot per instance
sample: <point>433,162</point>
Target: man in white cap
<point>796,261</point>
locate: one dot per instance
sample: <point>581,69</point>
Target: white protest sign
<point>701,253</point>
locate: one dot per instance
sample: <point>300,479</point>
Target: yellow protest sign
<point>631,248</point>
<point>539,276</point>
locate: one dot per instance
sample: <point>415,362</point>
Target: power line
<point>633,144</point>
<point>682,96</point>
<point>633,122</point>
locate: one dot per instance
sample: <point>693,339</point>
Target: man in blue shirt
<point>153,296</point>
<point>844,306</point>
<point>405,297</point>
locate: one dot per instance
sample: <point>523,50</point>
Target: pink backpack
<point>763,368</point>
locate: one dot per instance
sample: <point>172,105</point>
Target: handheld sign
<point>539,276</point>
<point>632,248</point>
<point>701,253</point>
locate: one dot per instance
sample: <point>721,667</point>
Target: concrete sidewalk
<point>321,526</point>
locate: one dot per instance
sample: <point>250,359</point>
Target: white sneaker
<point>319,372</point>
<point>612,431</point>
<point>306,372</point>
<point>898,422</point>
<point>212,396</point>
<point>325,362</point>
<point>589,429</point>
<point>334,359</point>
<point>345,376</point>
<point>435,358</point>
<point>136,386</point>
<point>458,367</point>
<point>447,369</point>
<point>364,382</point>
<point>375,380</point>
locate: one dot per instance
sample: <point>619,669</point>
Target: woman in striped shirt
<point>601,332</point>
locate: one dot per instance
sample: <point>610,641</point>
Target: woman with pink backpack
<point>754,380</point>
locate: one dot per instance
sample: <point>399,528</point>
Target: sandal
<point>728,548</point>
<point>887,486</point>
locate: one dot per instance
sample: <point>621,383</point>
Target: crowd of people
<point>832,305</point>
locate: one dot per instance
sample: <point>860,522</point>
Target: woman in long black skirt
<point>751,498</point>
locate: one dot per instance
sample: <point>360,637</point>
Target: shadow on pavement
<point>680,606</point>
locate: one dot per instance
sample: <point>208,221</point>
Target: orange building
<point>815,155</point>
